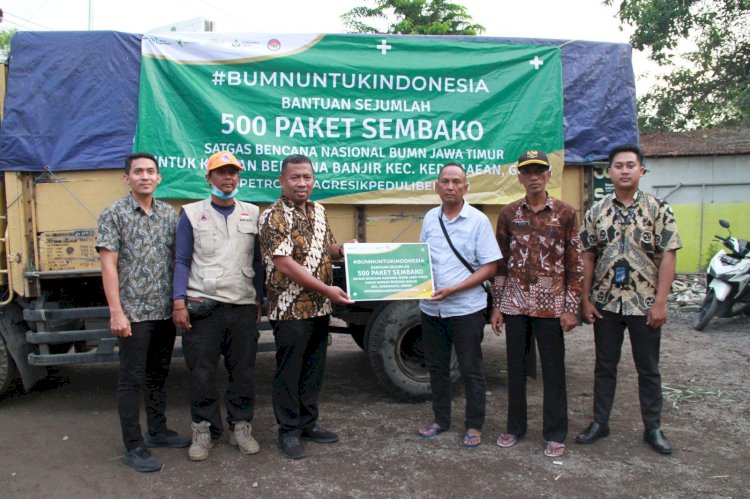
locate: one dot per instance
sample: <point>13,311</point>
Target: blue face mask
<point>219,194</point>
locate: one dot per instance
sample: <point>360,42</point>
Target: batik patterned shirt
<point>144,243</point>
<point>634,238</point>
<point>541,274</point>
<point>287,230</point>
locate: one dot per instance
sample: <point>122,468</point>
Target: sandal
<point>472,439</point>
<point>554,449</point>
<point>506,440</point>
<point>430,430</point>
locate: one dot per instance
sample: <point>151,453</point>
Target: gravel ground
<point>62,439</point>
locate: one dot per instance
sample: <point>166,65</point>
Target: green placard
<point>378,116</point>
<point>388,271</point>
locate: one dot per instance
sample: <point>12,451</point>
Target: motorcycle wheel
<point>707,311</point>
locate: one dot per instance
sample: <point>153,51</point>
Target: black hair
<point>625,148</point>
<point>294,159</point>
<point>139,155</point>
<point>451,164</point>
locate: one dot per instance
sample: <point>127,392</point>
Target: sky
<point>558,19</point>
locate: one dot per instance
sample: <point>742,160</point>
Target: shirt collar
<point>547,202</point>
<point>463,213</point>
<point>133,204</point>
<point>291,204</point>
<point>636,199</point>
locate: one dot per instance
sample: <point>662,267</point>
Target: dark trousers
<point>231,331</point>
<point>645,342</point>
<point>464,333</point>
<point>144,366</point>
<point>550,340</point>
<point>300,362</point>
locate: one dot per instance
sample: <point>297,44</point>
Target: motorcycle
<point>727,279</point>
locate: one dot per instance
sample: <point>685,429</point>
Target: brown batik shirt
<point>634,238</point>
<point>541,273</point>
<point>286,230</point>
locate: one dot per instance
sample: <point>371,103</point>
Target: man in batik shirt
<point>297,247</point>
<point>136,242</point>
<point>537,291</point>
<point>629,240</point>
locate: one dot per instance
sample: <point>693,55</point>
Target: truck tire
<point>15,349</point>
<point>394,346</point>
<point>707,310</point>
<point>8,371</point>
<point>358,335</point>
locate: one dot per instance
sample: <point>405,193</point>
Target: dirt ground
<point>62,439</point>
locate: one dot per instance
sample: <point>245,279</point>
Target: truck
<point>71,102</point>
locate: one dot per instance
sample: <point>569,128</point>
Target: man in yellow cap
<point>217,305</point>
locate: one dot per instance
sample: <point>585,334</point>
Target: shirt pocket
<point>206,239</point>
<point>644,235</point>
<point>299,241</point>
<point>247,278</point>
<point>555,239</point>
<point>248,230</point>
<point>211,277</point>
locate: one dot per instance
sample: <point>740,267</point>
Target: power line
<point>36,9</point>
<point>28,21</point>
<point>17,25</point>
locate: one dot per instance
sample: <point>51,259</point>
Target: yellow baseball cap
<point>222,158</point>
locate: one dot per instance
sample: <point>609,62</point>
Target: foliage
<point>706,44</point>
<point>5,36</point>
<point>417,17</point>
<point>712,249</point>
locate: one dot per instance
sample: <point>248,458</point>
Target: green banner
<point>378,116</point>
<point>388,271</point>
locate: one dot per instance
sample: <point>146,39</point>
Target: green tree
<point>706,46</point>
<point>415,17</point>
<point>5,36</point>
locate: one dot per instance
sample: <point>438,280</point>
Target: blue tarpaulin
<point>72,99</point>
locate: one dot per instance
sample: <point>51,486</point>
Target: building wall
<point>702,190</point>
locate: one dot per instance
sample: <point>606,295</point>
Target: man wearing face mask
<point>217,305</point>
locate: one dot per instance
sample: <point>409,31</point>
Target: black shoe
<point>168,439</point>
<point>140,459</point>
<point>319,435</point>
<point>594,432</point>
<point>658,441</point>
<point>291,446</point>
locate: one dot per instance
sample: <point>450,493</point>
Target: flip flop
<point>430,430</point>
<point>472,439</point>
<point>506,440</point>
<point>554,449</point>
